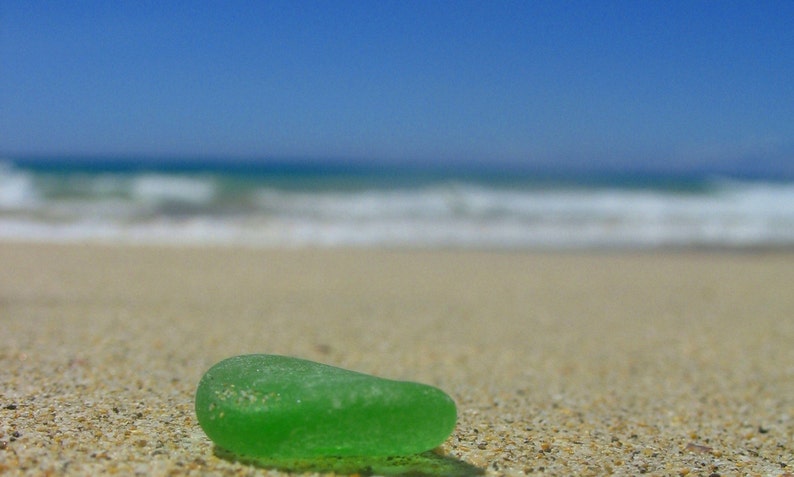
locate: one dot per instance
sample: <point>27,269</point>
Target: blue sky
<point>637,83</point>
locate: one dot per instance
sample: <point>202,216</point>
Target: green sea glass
<point>277,406</point>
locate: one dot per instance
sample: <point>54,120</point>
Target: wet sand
<point>676,363</point>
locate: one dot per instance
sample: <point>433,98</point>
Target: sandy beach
<point>675,363</point>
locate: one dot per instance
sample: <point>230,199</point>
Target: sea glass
<point>277,406</point>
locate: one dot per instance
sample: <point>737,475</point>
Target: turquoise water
<point>283,204</point>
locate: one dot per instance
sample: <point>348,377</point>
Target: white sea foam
<point>202,209</point>
<point>16,188</point>
<point>160,188</point>
<point>476,216</point>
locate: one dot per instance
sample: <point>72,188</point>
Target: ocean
<point>315,205</point>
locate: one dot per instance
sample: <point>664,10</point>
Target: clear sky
<point>642,83</point>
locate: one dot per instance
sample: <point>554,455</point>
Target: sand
<point>677,363</point>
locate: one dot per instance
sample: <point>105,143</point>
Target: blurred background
<point>529,125</point>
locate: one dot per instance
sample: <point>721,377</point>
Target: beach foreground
<point>564,364</point>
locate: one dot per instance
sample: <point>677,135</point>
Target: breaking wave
<point>216,208</point>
